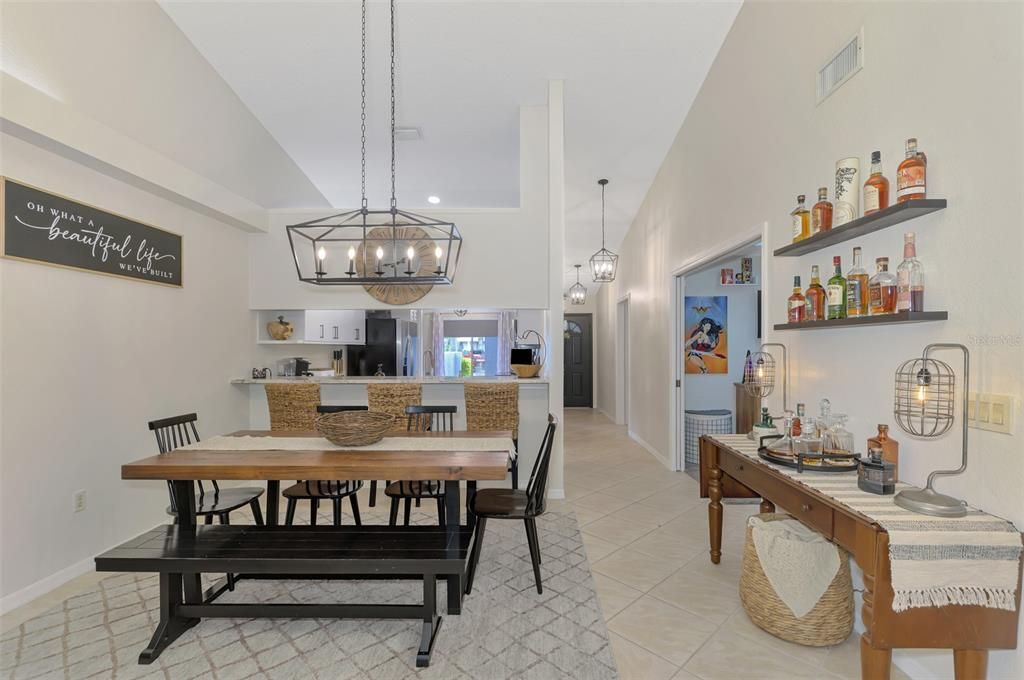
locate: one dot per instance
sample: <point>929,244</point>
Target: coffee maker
<point>293,366</point>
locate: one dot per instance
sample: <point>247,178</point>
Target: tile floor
<point>670,612</point>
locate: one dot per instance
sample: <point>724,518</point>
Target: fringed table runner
<point>935,561</point>
<point>250,443</point>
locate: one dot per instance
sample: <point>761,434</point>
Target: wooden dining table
<point>272,465</point>
<point>182,552</point>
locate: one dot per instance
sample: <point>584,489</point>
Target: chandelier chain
<point>394,203</point>
<point>362,113</point>
<point>602,213</point>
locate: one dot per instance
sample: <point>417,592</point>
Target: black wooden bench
<point>180,554</point>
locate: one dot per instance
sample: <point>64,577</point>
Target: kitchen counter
<point>365,380</point>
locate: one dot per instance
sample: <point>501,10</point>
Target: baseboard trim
<point>650,449</point>
<point>556,494</point>
<point>23,596</point>
<point>41,587</point>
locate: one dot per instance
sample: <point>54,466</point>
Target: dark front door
<point>579,368</point>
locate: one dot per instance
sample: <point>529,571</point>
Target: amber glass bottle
<point>876,188</point>
<point>911,175</point>
<point>821,213</point>
<point>797,303</point>
<point>815,297</point>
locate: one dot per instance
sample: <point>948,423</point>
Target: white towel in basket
<point>799,563</point>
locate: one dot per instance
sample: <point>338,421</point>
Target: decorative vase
<point>280,329</point>
<point>847,202</point>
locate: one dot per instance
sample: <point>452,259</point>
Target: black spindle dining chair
<point>421,419</point>
<point>516,504</point>
<point>333,490</point>
<point>172,433</point>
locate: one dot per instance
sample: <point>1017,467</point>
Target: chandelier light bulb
<point>351,253</point>
<point>410,253</point>
<point>321,253</point>
<point>380,253</point>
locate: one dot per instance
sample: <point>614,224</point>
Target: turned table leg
<point>970,664</point>
<point>715,508</point>
<point>767,506</point>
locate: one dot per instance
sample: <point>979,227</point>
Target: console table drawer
<point>803,506</point>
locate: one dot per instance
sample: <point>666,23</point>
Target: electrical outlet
<point>993,412</point>
<point>79,500</point>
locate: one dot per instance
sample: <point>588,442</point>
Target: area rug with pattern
<point>506,630</point>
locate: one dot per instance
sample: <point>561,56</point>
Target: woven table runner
<point>935,561</point>
<point>440,444</point>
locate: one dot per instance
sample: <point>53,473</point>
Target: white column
<point>556,247</point>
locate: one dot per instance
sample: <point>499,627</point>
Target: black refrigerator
<point>390,343</point>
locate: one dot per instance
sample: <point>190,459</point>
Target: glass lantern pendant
<point>367,247</point>
<point>604,262</point>
<point>577,292</point>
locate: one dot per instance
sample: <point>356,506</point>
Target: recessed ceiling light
<point>433,200</point>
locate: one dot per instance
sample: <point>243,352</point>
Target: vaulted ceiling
<point>631,71</point>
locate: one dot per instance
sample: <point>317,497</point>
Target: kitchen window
<point>471,345</point>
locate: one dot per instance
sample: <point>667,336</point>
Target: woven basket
<point>829,623</point>
<point>492,407</point>
<point>526,370</point>
<point>354,428</point>
<point>292,406</point>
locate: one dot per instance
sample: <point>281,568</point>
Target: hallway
<point>670,612</point>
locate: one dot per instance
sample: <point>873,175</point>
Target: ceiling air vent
<point>843,65</point>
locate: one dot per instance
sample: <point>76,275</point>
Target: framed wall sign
<point>50,229</point>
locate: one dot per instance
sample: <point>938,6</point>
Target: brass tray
<point>817,462</point>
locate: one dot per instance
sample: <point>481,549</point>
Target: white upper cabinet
<point>335,327</point>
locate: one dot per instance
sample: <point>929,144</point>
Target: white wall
<point>949,74</point>
<point>502,264</point>
<point>716,391</point>
<point>86,360</point>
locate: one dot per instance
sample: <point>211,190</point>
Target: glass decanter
<point>838,440</point>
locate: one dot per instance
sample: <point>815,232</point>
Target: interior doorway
<point>717,321</point>
<point>578,361</point>
<point>622,362</point>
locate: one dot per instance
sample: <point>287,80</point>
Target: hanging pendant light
<point>577,292</point>
<point>380,247</point>
<point>604,262</point>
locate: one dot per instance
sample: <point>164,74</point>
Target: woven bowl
<point>354,428</point>
<point>526,370</point>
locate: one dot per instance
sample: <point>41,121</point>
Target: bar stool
<point>293,407</point>
<point>495,407</point>
<point>393,400</point>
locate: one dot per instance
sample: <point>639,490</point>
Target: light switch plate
<point>993,412</point>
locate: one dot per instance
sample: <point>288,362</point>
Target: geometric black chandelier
<point>604,262</point>
<point>376,247</point>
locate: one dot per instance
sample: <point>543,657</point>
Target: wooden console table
<point>970,631</point>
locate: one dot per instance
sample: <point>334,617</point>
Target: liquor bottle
<point>815,297</point>
<point>890,448</point>
<point>882,289</point>
<point>797,303</point>
<point>909,279</point>
<point>856,288</point>
<point>911,174</point>
<point>801,220</point>
<point>876,188</point>
<point>835,307</point>
<point>821,213</point>
<point>797,428</point>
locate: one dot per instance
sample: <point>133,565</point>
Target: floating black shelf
<point>881,320</point>
<point>894,214</point>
